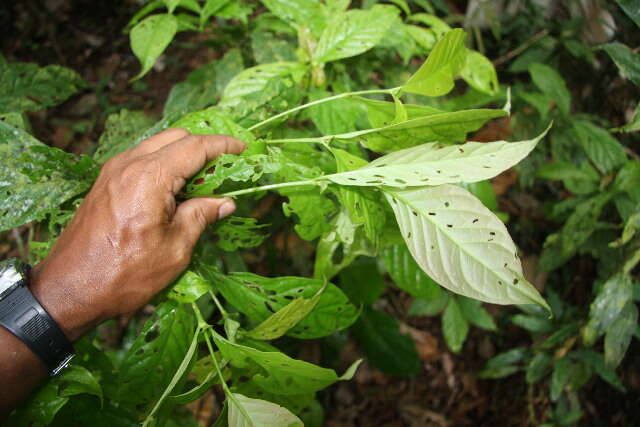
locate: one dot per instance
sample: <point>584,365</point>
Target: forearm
<point>20,369</point>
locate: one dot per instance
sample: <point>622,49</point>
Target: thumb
<point>193,216</point>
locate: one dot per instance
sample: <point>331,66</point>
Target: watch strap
<point>24,317</point>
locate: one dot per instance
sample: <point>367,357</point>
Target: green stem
<point>269,187</point>
<point>321,101</point>
<point>217,302</point>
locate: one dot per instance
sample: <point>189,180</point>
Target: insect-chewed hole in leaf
<point>266,304</point>
<point>198,181</point>
<point>515,281</point>
<point>461,150</point>
<point>432,213</point>
<point>208,123</point>
<point>374,181</point>
<point>492,233</point>
<point>505,265</point>
<point>438,171</point>
<point>408,235</point>
<point>446,204</point>
<point>378,176</point>
<point>290,297</point>
<point>432,247</point>
<point>151,335</point>
<point>499,282</point>
<point>450,225</point>
<point>357,206</point>
<point>381,165</point>
<point>475,220</point>
<point>352,179</point>
<point>270,292</point>
<point>414,213</point>
<point>300,290</point>
<point>211,170</point>
<point>486,167</point>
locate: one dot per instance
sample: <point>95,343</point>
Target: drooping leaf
<point>383,344</point>
<point>259,297</point>
<point>121,131</point>
<point>505,364</point>
<point>447,59</point>
<point>475,314</point>
<point>150,37</point>
<point>454,326</point>
<point>618,336</point>
<point>445,127</point>
<point>237,232</point>
<point>353,32</point>
<point>284,319</point>
<point>435,164</point>
<point>247,412</point>
<point>408,275</point>
<point>461,244</point>
<point>35,178</point>
<point>276,372</point>
<point>365,207</point>
<point>28,87</point>
<point>203,86</point>
<point>606,153</point>
<point>627,61</point>
<point>551,83</point>
<point>480,73</point>
<point>150,363</point>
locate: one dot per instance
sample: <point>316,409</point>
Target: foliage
<point>391,191</point>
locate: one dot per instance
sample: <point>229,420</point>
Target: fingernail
<point>226,209</point>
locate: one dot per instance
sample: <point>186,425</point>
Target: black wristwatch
<point>23,316</point>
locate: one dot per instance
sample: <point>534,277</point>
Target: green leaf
<point>362,282</point>
<point>633,125</point>
<point>631,8</point>
<point>437,25</point>
<point>334,117</point>
<point>210,8</point>
<point>385,347</point>
<point>596,361</point>
<point>270,47</point>
<point>562,370</point>
<point>276,372</point>
<point>87,410</point>
<point>606,308</point>
<point>121,131</point>
<point>627,61</point>
<point>284,319</point>
<point>551,83</point>
<point>535,324</point>
<point>504,364</point>
<point>247,412</point>
<point>75,380</point>
<point>35,178</point>
<point>408,275</point>
<point>259,297</point>
<point>480,73</point>
<point>444,127</point>
<point>618,336</point>
<point>309,13</point>
<point>162,343</point>
<point>260,92</point>
<point>353,32</point>
<point>583,179</point>
<point>462,245</point>
<point>447,59</point>
<point>189,287</point>
<point>454,326</point>
<point>150,37</point>
<point>365,208</point>
<point>28,87</point>
<point>41,407</point>
<point>434,164</point>
<point>606,153</point>
<point>383,113</point>
<point>538,367</point>
<point>423,307</point>
<point>475,314</point>
<point>237,232</point>
<point>425,38</point>
<point>203,86</point>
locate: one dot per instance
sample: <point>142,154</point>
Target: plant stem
<point>269,187</point>
<point>320,101</point>
<point>217,302</point>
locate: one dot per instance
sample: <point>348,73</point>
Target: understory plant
<point>395,187</point>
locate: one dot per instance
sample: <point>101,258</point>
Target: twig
<point>524,46</point>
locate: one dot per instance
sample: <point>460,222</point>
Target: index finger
<point>185,157</point>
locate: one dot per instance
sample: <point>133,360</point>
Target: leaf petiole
<point>271,187</point>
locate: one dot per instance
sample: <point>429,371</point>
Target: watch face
<point>9,277</point>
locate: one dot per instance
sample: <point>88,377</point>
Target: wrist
<point>59,296</point>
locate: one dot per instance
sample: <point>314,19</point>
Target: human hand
<point>129,239</point>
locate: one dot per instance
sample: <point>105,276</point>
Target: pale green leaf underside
<point>284,319</point>
<point>354,32</point>
<point>435,164</point>
<point>461,244</point>
<point>247,412</point>
<point>151,37</point>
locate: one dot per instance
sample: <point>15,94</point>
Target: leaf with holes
<point>353,32</point>
<point>189,287</point>
<point>247,412</point>
<point>447,59</point>
<point>259,297</point>
<point>150,37</point>
<point>284,319</point>
<point>276,372</point>
<point>435,164</point>
<point>443,127</point>
<point>120,133</point>
<point>461,244</point>
<point>150,363</point>
<point>237,232</point>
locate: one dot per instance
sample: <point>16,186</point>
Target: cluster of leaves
<point>389,189</point>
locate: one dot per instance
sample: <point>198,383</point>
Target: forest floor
<point>88,37</point>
